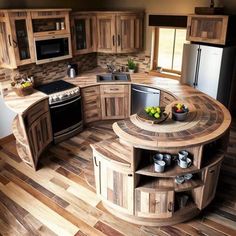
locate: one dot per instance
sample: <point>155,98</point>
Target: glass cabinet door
<point>80,34</point>
<point>22,39</point>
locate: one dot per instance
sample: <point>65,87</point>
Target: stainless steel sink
<point>112,77</point>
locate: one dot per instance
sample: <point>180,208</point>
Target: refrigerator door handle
<point>195,83</point>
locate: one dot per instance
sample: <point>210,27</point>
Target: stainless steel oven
<point>66,118</point>
<point>65,108</point>
<point>52,48</point>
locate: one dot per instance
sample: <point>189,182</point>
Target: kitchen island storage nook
<point>125,177</point>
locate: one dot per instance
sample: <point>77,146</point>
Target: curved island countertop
<point>207,121</point>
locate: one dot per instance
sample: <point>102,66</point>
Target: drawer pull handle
<point>212,171</point>
<point>114,89</point>
<point>130,175</point>
<point>170,207</point>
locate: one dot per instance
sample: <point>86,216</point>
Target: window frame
<point>168,73</point>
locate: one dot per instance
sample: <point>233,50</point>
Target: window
<point>169,48</point>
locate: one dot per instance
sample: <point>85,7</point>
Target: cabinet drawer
<point>111,89</point>
<point>35,112</point>
<point>90,91</point>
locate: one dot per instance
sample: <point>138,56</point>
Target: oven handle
<point>66,103</point>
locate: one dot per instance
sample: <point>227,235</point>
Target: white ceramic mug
<point>167,159</point>
<point>159,166</point>
<point>183,154</point>
<point>184,163</point>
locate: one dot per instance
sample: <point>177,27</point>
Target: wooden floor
<point>56,200</point>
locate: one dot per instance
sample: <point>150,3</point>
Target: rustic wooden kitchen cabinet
<point>106,32</point>
<point>17,38</point>
<point>129,32</point>
<point>205,194</point>
<point>91,103</point>
<point>119,32</point>
<point>115,101</point>
<point>158,204</point>
<point>213,29</point>
<point>33,132</point>
<point>47,22</point>
<point>114,177</point>
<point>83,32</point>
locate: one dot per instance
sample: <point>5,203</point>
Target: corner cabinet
<point>212,29</point>
<point>83,32</point>
<point>17,37</point>
<point>33,132</point>
<point>119,32</point>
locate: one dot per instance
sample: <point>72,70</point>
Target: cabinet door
<point>22,37</point>
<point>91,104</point>
<point>106,33</point>
<point>7,57</point>
<point>115,106</point>
<point>154,204</point>
<point>129,32</point>
<point>115,185</point>
<point>208,29</point>
<point>40,135</point>
<point>83,34</point>
<point>204,195</point>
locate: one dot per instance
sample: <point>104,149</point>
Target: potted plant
<point>131,65</point>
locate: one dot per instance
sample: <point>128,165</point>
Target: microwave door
<point>52,49</point>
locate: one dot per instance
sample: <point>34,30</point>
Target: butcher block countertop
<point>213,118</point>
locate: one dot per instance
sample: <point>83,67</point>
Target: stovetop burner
<point>55,87</point>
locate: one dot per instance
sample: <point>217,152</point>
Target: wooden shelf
<point>171,171</point>
<point>168,184</point>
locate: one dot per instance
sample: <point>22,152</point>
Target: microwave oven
<point>52,48</point>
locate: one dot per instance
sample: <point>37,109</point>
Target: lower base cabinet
<point>205,194</point>
<point>114,184</point>
<point>154,204</point>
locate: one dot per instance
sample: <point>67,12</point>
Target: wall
<point>76,5</point>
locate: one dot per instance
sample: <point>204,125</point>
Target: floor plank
<point>58,200</point>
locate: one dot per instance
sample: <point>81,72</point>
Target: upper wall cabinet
<point>120,32</point>
<point>83,32</point>
<point>19,29</point>
<point>16,39</point>
<point>212,29</point>
<point>129,32</point>
<point>50,22</point>
<point>106,32</point>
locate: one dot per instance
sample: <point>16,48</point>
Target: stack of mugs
<point>162,160</point>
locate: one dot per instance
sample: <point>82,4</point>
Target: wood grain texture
<point>217,219</point>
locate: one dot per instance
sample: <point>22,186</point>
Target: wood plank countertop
<point>209,121</point>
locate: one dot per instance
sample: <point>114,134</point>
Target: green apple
<point>157,115</point>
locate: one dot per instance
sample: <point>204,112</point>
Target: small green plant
<point>131,64</point>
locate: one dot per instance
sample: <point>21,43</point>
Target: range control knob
<point>60,96</point>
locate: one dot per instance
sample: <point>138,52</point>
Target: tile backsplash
<point>52,71</point>
<point>120,60</point>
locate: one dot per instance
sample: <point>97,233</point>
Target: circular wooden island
<point>124,170</point>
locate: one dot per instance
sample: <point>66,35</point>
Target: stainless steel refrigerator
<point>209,69</point>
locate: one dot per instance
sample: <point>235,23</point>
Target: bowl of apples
<point>153,115</point>
<point>179,112</point>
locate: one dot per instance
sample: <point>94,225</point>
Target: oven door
<point>66,116</point>
<point>52,48</point>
